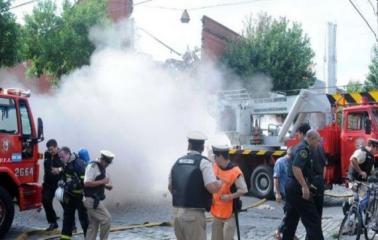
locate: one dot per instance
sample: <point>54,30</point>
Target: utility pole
<point>330,59</point>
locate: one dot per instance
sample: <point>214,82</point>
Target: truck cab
<point>358,125</point>
<point>19,169</point>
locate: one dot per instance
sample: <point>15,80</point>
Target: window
<point>8,116</point>
<point>375,112</point>
<point>356,120</point>
<point>25,120</point>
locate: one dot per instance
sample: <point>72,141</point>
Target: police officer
<point>95,183</point>
<point>318,163</point>
<point>300,134</point>
<point>299,201</point>
<point>233,186</point>
<point>72,178</point>
<point>362,161</point>
<point>191,183</point>
<point>51,177</point>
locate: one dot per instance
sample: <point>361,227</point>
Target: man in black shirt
<point>51,177</point>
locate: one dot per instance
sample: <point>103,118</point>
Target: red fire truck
<point>19,169</point>
<point>261,129</point>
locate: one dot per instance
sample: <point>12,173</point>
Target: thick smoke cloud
<point>127,103</point>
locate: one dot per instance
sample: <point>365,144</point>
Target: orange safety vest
<point>219,208</point>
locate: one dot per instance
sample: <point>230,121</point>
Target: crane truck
<point>19,168</point>
<point>261,129</point>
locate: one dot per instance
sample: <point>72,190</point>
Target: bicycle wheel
<point>370,216</point>
<point>351,226</point>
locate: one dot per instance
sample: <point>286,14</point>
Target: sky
<point>354,39</point>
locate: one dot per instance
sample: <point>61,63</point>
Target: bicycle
<point>361,213</point>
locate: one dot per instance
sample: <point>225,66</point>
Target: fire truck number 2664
<point>23,172</point>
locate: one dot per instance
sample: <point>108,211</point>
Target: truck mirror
<point>40,130</point>
<point>367,126</point>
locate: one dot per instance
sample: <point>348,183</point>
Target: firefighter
<point>191,183</point>
<point>72,179</point>
<point>223,227</point>
<point>362,161</point>
<point>299,203</point>
<point>95,183</point>
<point>51,164</point>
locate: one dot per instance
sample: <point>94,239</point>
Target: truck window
<point>8,116</point>
<point>375,112</point>
<point>25,120</point>
<point>356,120</point>
<point>27,145</point>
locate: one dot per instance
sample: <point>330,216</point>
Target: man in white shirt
<point>95,183</point>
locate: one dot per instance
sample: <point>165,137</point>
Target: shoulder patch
<point>303,153</point>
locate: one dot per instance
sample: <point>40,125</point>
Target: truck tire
<point>261,182</point>
<point>6,211</point>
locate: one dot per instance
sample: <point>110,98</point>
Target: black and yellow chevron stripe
<point>276,153</point>
<point>342,99</point>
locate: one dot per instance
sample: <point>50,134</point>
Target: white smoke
<point>126,103</point>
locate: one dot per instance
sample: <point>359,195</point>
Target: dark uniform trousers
<point>299,208</point>
<point>48,194</point>
<point>318,182</point>
<point>70,204</point>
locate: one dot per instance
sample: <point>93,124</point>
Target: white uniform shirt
<point>241,184</point>
<point>91,172</point>
<point>359,155</point>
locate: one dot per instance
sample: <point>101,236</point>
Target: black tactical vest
<point>188,190</point>
<point>99,191</point>
<point>366,166</point>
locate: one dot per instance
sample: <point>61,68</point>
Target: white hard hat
<point>59,194</point>
<point>196,136</point>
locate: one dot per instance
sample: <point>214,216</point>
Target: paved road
<point>257,223</point>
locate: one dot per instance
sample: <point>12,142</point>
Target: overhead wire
<point>365,20</point>
<point>159,41</point>
<point>22,4</point>
<point>372,6</point>
<point>206,6</point>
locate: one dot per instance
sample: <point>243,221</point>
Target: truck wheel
<point>262,182</point>
<point>6,211</point>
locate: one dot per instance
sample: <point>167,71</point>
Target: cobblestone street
<point>256,223</point>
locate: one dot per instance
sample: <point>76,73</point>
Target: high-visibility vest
<point>219,208</point>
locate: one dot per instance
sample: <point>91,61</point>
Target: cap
<point>196,136</point>
<point>107,155</point>
<point>220,148</point>
<point>303,128</point>
<point>373,142</point>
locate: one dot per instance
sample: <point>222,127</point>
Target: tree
<point>57,44</point>
<point>273,48</point>
<point>9,34</point>
<point>372,78</point>
<point>355,86</point>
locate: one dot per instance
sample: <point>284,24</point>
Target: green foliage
<point>355,86</point>
<point>274,48</point>
<point>372,78</point>
<point>9,36</point>
<point>58,44</point>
